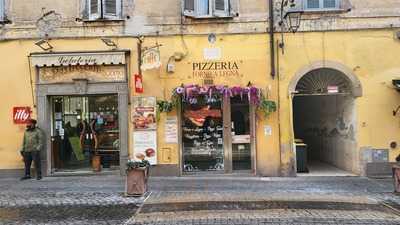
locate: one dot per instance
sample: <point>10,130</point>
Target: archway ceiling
<point>318,81</point>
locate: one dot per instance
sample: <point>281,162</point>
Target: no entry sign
<point>21,115</point>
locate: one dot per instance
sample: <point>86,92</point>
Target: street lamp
<point>292,16</point>
<point>293,19</point>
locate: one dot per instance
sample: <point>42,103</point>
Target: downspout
<point>272,38</point>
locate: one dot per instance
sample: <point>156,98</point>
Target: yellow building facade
<point>333,90</point>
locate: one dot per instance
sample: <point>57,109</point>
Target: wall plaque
<point>92,73</point>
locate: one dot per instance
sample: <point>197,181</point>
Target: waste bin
<point>301,157</point>
<point>396,178</point>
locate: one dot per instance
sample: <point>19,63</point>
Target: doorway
<point>241,141</point>
<point>324,124</point>
<point>84,126</point>
<point>216,136</point>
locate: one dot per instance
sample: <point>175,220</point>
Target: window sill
<point>5,21</point>
<point>211,17</point>
<point>324,11</point>
<point>103,21</point>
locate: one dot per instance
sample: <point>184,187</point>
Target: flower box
<point>136,181</point>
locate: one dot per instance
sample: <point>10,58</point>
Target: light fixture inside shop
<point>44,45</point>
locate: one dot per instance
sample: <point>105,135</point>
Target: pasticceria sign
<point>216,69</point>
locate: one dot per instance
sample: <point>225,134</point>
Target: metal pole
<point>272,37</point>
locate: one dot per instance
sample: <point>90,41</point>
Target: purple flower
<point>203,90</point>
<point>236,91</point>
<point>180,90</point>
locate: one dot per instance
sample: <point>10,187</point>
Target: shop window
<point>321,5</point>
<point>104,9</point>
<point>202,134</point>
<point>207,8</point>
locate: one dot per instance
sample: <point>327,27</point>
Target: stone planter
<point>136,182</point>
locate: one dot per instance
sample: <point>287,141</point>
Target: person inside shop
<point>32,145</point>
<point>88,138</point>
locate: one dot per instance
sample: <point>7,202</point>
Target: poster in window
<point>144,113</point>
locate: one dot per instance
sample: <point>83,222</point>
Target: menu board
<point>143,140</point>
<point>171,130</point>
<point>144,113</point>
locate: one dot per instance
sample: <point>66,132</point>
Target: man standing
<point>31,147</point>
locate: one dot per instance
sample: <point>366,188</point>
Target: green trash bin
<point>301,158</point>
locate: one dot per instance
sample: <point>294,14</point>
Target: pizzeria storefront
<point>215,107</point>
<point>82,103</point>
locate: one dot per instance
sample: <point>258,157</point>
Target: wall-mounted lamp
<point>109,43</point>
<point>293,19</point>
<point>44,45</point>
<point>291,16</point>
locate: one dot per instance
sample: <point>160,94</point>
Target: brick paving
<point>200,200</point>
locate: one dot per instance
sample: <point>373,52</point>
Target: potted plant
<point>137,173</point>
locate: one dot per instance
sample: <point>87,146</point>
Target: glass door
<point>70,115</point>
<point>202,134</point>
<point>83,126</point>
<point>241,138</point>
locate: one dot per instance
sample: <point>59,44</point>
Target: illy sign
<point>21,115</point>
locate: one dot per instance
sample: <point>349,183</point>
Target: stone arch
<point>356,88</point>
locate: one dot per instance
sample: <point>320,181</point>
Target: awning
<point>76,58</point>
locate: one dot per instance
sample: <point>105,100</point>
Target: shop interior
<point>83,127</point>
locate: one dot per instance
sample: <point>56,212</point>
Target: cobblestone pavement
<point>200,200</point>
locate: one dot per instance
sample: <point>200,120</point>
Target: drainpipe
<point>271,37</point>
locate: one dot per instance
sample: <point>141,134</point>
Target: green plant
<point>164,106</point>
<point>267,106</point>
<point>132,164</point>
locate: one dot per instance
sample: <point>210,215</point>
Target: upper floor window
<point>206,8</point>
<point>2,10</point>
<point>321,4</point>
<point>104,9</point>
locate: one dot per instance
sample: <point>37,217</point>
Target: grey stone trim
<point>165,170</point>
<point>44,113</point>
<point>355,82</point>
<point>12,173</point>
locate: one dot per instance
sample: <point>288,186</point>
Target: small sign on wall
<point>268,130</point>
<point>138,83</point>
<point>171,130</point>
<point>21,115</point>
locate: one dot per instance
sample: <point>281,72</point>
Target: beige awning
<point>73,59</point>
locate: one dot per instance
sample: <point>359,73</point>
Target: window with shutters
<point>321,5</point>
<point>206,8</point>
<point>2,11</point>
<point>104,9</point>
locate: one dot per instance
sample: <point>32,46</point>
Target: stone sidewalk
<point>200,200</point>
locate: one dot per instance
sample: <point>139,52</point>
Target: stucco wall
<point>30,19</point>
<point>371,57</point>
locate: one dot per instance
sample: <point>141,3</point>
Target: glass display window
<point>202,134</point>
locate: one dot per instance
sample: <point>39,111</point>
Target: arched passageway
<point>324,123</point>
